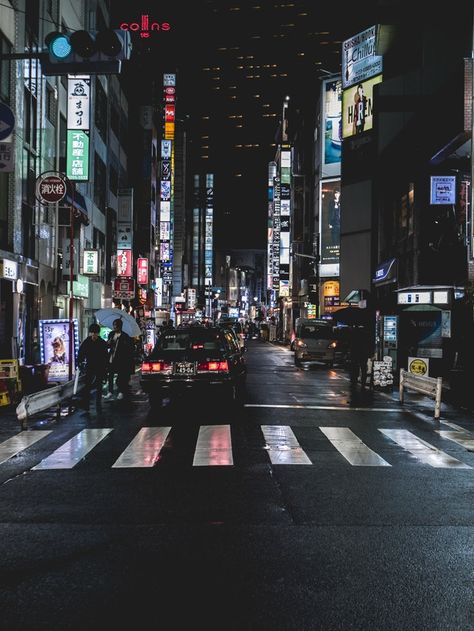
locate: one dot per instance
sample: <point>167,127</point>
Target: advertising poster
<point>358,107</point>
<point>54,347</point>
<point>359,59</point>
<point>330,217</point>
<point>332,128</point>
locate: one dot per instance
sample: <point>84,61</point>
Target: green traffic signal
<point>58,45</point>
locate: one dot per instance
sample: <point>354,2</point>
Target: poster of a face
<point>330,221</point>
<point>54,347</point>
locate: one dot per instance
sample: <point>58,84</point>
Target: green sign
<point>77,154</point>
<point>80,287</point>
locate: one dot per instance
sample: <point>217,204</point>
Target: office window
<point>5,49</point>
<point>50,105</point>
<point>113,181</point>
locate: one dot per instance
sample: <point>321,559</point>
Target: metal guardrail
<point>45,399</point>
<point>430,386</point>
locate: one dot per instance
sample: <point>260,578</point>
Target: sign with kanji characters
<point>124,289</point>
<point>142,271</point>
<point>50,188</point>
<point>8,269</point>
<point>78,105</point>
<point>124,262</point>
<point>66,261</point>
<point>77,155</point>
<point>124,235</point>
<point>90,262</point>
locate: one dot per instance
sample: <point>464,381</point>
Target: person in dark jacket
<point>93,352</point>
<point>121,361</point>
<point>360,350</point>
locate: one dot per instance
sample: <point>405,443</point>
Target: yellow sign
<point>331,288</point>
<point>418,366</point>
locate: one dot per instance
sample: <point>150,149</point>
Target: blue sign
<point>7,121</point>
<point>385,272</point>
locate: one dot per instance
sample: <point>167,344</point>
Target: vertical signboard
<point>142,271</point>
<point>276,233</point>
<point>330,227</point>
<point>208,237</point>
<point>358,107</point>
<point>78,128</point>
<point>272,171</point>
<point>285,211</point>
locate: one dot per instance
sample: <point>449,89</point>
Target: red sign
<point>169,89</point>
<point>124,262</point>
<point>169,98</point>
<point>50,189</point>
<point>124,288</point>
<point>169,113</point>
<point>142,271</point>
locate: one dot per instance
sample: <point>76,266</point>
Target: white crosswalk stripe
<point>74,450</point>
<point>144,449</point>
<point>461,437</point>
<point>213,447</point>
<point>352,448</point>
<point>20,442</point>
<point>422,450</point>
<point>282,445</point>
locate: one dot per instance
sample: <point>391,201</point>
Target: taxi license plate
<point>184,368</point>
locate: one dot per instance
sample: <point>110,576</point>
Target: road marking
<point>74,450</point>
<point>213,447</point>
<point>461,437</point>
<point>144,449</point>
<point>282,445</point>
<point>320,407</point>
<point>422,450</point>
<point>21,441</point>
<point>352,448</point>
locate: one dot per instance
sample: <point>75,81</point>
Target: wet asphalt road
<point>261,543</point>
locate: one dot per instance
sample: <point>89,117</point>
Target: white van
<point>314,342</point>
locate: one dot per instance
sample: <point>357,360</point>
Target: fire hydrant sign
<point>50,188</point>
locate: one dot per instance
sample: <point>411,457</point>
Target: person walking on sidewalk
<point>93,352</point>
<point>120,360</point>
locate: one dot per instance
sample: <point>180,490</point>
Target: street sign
<point>50,187</point>
<point>124,289</point>
<point>7,121</point>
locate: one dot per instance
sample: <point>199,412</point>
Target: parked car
<point>237,327</point>
<point>315,341</point>
<point>194,359</point>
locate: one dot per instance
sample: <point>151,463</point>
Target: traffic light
<point>86,52</point>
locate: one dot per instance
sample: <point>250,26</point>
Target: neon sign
<point>145,27</point>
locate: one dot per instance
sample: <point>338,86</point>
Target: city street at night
<point>303,508</point>
<point>236,315</point>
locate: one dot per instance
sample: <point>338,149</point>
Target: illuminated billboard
<point>358,107</point>
<point>331,127</point>
<point>359,58</point>
<point>330,227</point>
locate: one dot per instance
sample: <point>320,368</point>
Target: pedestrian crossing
<point>218,446</point>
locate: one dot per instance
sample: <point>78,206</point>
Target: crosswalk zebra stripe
<point>282,445</point>
<point>213,447</point>
<point>74,450</point>
<point>352,448</point>
<point>20,442</point>
<point>144,449</point>
<point>422,450</point>
<point>463,438</point>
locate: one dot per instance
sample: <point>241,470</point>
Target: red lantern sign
<point>142,271</point>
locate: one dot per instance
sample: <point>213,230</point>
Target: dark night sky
<point>236,61</point>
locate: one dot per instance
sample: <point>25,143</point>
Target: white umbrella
<point>106,317</point>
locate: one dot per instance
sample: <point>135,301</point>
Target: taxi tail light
<point>158,366</point>
<point>217,366</point>
<point>332,345</point>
